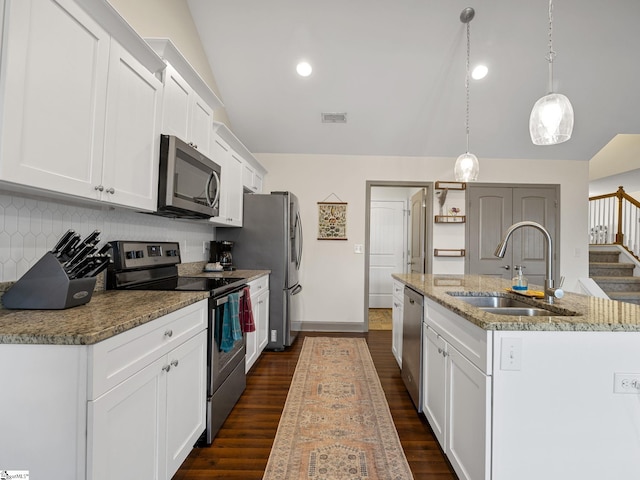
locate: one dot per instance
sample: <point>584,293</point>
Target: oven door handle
<point>225,299</point>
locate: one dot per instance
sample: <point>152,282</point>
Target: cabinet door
<point>434,371</point>
<point>252,349</point>
<point>186,399</point>
<point>125,426</point>
<point>130,172</point>
<point>233,194</point>
<point>262,324</point>
<point>468,437</point>
<point>200,122</point>
<point>231,190</point>
<point>175,104</point>
<point>54,78</point>
<point>397,313</point>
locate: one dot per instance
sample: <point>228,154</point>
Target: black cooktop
<point>216,285</point>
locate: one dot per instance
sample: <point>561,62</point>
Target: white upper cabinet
<point>188,101</point>
<point>77,107</point>
<point>131,156</point>
<point>53,85</point>
<point>184,113</point>
<point>230,214</point>
<point>252,178</point>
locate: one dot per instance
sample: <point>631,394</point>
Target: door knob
<point>506,267</point>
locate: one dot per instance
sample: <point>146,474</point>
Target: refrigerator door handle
<point>297,289</point>
<point>298,228</point>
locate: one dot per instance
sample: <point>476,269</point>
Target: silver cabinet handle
<point>99,188</point>
<point>506,267</point>
<point>174,363</point>
<point>168,333</point>
<point>166,368</point>
<point>111,190</point>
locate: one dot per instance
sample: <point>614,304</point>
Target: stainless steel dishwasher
<point>412,345</point>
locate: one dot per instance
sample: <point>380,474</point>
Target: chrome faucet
<point>550,292</point>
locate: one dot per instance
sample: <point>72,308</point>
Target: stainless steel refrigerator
<point>271,239</point>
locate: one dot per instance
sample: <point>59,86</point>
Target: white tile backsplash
<point>29,227</point>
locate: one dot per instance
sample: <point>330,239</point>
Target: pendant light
<point>551,120</point>
<point>467,166</point>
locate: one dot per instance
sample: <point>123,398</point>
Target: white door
<point>176,105</point>
<point>132,138</point>
<point>186,399</point>
<point>434,382</point>
<point>125,426</point>
<point>386,250</point>
<point>468,435</point>
<point>418,231</point>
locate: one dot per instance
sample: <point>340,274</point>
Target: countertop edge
<point>592,311</point>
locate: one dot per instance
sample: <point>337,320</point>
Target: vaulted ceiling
<point>397,68</point>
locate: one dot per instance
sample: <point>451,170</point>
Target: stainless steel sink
<point>505,305</point>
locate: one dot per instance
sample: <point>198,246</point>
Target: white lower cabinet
<point>397,313</point>
<point>456,392</point>
<point>147,424</point>
<point>131,406</point>
<point>257,341</point>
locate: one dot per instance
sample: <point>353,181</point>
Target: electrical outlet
<point>274,335</point>
<point>626,383</point>
<point>205,247</point>
<point>511,354</point>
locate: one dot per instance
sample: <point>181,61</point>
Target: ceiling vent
<point>334,117</point>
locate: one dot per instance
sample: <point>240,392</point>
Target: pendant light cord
<point>552,54</point>
<point>467,84</point>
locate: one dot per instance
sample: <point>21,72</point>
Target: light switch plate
<point>511,354</point>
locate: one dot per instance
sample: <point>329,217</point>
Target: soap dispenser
<point>519,282</point>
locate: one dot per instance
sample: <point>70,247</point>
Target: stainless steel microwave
<point>189,182</point>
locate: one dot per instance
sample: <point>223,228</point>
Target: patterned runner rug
<point>336,422</point>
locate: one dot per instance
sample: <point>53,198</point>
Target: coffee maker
<point>220,252</point>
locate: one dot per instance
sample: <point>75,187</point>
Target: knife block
<point>46,286</point>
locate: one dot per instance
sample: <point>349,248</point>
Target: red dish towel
<point>246,312</point>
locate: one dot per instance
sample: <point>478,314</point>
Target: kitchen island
<point>520,397</point>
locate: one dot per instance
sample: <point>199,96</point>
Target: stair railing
<point>614,219</point>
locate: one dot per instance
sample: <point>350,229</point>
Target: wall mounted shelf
<point>451,185</point>
<point>445,252</point>
<point>450,218</point>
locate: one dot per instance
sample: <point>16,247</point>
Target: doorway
<point>391,228</point>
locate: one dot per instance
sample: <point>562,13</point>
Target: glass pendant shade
<point>467,168</point>
<point>551,120</point>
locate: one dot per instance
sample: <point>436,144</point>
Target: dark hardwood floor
<point>241,448</point>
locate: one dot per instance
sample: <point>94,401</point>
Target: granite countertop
<point>107,314</point>
<point>593,314</point>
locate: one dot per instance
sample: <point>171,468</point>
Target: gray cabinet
<point>491,210</point>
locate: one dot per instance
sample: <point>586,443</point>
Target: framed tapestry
<point>332,220</point>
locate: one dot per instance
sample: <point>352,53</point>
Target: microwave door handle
<point>207,188</point>
<point>218,186</point>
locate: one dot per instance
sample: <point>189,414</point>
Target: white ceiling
<point>397,68</point>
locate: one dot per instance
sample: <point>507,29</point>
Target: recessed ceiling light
<point>304,69</point>
<point>479,72</point>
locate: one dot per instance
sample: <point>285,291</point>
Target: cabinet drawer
<point>117,358</point>
<point>469,339</point>
<point>258,285</point>
<point>398,291</point>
